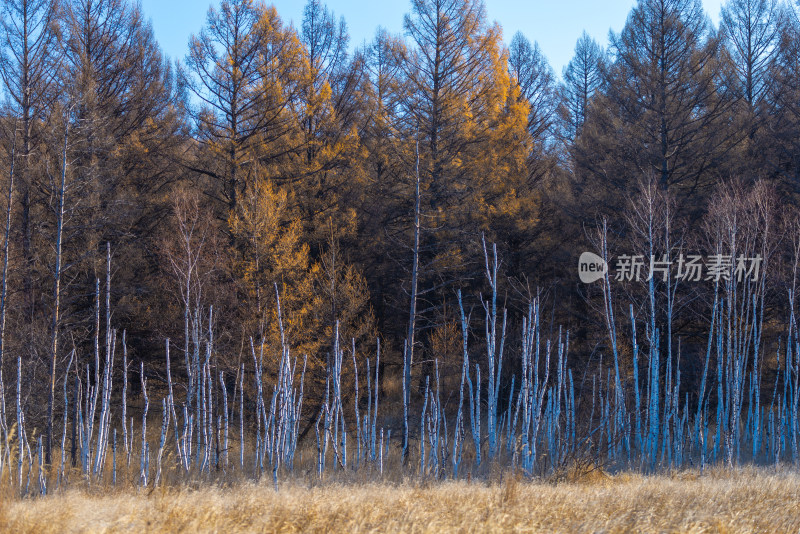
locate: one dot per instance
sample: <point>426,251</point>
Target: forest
<point>281,243</point>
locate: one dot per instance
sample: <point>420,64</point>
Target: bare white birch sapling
<point>54,332</point>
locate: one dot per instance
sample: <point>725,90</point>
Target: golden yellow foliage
<point>268,238</point>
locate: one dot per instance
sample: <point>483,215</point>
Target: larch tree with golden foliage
<point>465,151</point>
<point>240,71</point>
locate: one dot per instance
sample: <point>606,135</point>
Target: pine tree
<point>126,132</point>
<point>780,147</point>
<point>271,250</point>
<point>242,69</point>
<point>536,81</point>
<point>30,59</point>
<point>382,209</point>
<point>663,108</point>
<point>582,78</point>
<point>322,174</point>
<point>751,29</point>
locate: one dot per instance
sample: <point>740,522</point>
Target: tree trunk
<point>56,299</point>
<point>408,356</point>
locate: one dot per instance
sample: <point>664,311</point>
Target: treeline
<point>359,188</point>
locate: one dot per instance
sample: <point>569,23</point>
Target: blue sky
<point>555,25</point>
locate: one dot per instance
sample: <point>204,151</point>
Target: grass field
<point>748,500</point>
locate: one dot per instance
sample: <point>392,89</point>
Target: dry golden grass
<point>747,500</point>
